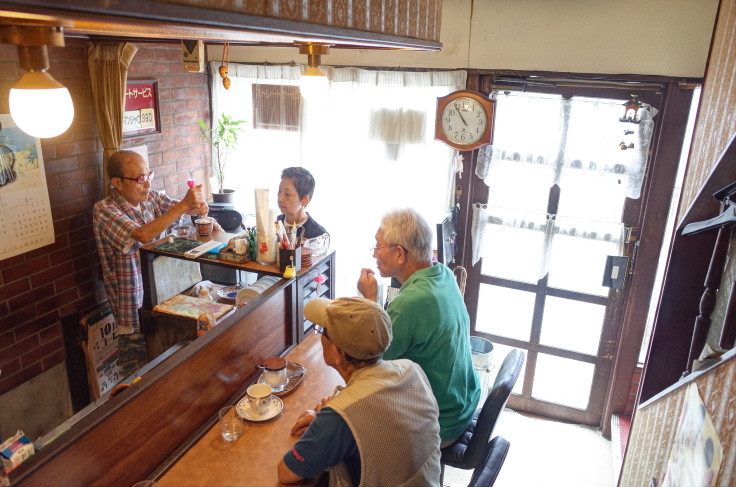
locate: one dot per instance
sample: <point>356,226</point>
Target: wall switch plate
<point>615,271</point>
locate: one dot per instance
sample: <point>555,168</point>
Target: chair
<point>471,448</point>
<point>485,474</point>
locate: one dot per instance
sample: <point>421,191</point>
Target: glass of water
<point>231,423</point>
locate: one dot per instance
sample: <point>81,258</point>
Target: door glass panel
<point>511,251</point>
<point>592,196</point>
<point>505,312</point>
<point>578,256</point>
<point>499,353</point>
<point>519,185</point>
<point>562,381</point>
<point>572,325</point>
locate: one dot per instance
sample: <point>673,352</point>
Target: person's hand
<point>194,200</point>
<point>322,403</point>
<point>203,210</point>
<point>303,422</point>
<point>367,284</point>
<point>217,228</point>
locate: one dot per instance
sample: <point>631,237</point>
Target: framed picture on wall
<point>141,114</point>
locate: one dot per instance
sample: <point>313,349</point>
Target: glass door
<point>558,184</point>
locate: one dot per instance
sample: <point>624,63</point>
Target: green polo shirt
<point>431,327</point>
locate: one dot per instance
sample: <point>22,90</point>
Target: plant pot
<point>227,196</point>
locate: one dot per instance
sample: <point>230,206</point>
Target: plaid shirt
<point>113,220</point>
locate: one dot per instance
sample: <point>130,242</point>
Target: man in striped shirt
<point>133,215</point>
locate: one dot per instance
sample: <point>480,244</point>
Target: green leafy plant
<point>223,137</point>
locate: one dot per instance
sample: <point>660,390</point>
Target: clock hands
<point>461,115</point>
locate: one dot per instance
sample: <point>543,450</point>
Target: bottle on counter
<point>206,316</point>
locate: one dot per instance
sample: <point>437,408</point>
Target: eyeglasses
<point>140,179</point>
<point>374,249</point>
<point>321,330</point>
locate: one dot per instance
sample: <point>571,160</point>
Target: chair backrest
<point>486,472</point>
<point>496,401</point>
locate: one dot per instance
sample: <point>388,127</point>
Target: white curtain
<point>543,140</point>
<point>369,142</point>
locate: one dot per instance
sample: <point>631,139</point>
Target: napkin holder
<point>290,257</point>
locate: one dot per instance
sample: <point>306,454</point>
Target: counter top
<point>252,460</point>
<point>219,236</point>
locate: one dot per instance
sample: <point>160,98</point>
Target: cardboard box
<point>14,451</point>
<point>101,350</point>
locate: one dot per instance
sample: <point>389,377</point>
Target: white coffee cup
<point>259,398</point>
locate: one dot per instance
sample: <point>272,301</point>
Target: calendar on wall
<point>25,210</point>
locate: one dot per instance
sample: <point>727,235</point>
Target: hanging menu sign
<point>141,108</point>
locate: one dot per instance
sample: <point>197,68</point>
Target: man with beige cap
<point>382,427</point>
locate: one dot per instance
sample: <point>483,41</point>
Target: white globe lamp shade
<point>313,84</point>
<point>40,105</point>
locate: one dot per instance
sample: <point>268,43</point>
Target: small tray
<point>294,372</point>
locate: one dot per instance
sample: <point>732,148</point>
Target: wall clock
<point>464,120</point>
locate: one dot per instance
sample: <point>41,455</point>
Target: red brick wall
<point>39,287</point>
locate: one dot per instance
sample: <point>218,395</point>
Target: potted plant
<point>223,137</point>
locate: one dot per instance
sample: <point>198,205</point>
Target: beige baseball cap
<point>359,327</point>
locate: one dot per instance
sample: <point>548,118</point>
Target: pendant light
<point>313,83</point>
<point>39,105</point>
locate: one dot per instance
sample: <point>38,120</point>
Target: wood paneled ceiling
<point>378,24</point>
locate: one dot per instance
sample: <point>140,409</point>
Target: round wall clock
<point>464,120</point>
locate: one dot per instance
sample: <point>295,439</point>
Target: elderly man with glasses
<point>133,215</point>
<point>431,325</point>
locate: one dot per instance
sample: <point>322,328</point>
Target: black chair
<point>470,449</point>
<point>486,473</point>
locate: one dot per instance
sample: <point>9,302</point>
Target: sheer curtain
<point>543,140</point>
<point>369,142</point>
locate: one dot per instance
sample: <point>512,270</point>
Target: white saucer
<point>245,412</point>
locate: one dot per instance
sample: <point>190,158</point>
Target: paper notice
<point>173,276</point>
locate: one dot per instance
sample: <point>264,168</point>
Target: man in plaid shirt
<point>131,216</point>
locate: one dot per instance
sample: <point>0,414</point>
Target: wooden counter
<point>252,460</point>
<point>146,428</point>
<point>163,331</point>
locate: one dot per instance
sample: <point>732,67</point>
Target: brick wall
<point>39,287</point>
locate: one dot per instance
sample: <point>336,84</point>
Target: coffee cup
<point>259,398</point>
<point>205,225</point>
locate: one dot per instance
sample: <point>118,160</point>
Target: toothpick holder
<point>290,257</point>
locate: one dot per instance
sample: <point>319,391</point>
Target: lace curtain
<point>369,142</point>
<point>543,140</point>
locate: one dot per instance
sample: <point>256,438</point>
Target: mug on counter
<point>205,226</point>
<point>259,398</point>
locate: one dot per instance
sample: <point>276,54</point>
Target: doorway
<point>559,195</point>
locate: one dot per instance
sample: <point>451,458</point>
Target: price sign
<point>141,108</point>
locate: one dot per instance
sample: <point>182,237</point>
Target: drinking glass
<point>231,423</point>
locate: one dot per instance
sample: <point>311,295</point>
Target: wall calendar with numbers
<point>25,210</point>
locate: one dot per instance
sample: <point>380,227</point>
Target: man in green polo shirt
<point>430,322</point>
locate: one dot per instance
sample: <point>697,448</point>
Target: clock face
<point>464,121</point>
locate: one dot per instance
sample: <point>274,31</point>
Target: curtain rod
<point>516,85</point>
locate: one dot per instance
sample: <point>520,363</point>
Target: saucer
<point>246,412</point>
<point>245,295</point>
